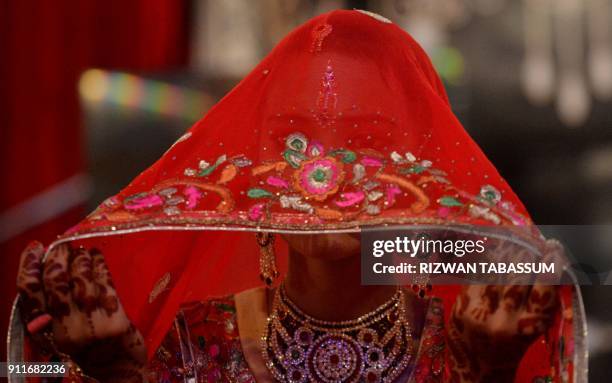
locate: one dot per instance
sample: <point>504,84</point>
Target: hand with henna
<point>491,328</point>
<point>72,294</point>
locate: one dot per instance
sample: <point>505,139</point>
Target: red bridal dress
<point>345,125</point>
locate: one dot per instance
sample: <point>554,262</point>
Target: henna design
<point>513,297</point>
<point>491,327</point>
<point>83,290</point>
<point>531,326</point>
<point>107,298</point>
<point>112,359</point>
<point>76,289</point>
<point>541,302</point>
<point>29,284</point>
<point>57,282</point>
<point>458,323</point>
<point>464,302</point>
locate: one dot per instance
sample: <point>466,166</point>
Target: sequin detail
<point>160,286</point>
<point>203,344</point>
<point>309,183</point>
<point>327,99</point>
<point>319,33</point>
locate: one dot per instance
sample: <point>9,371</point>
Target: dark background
<point>92,92</point>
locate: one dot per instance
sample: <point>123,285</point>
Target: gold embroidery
<point>278,166</point>
<point>160,286</point>
<point>228,174</point>
<point>328,213</point>
<point>422,199</point>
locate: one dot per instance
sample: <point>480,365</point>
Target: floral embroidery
<point>314,183</point>
<point>318,178</point>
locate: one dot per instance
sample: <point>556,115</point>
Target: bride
<point>344,126</point>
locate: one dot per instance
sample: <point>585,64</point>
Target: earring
<point>421,290</point>
<point>421,286</point>
<point>267,259</point>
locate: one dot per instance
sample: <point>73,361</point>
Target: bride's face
<point>324,246</point>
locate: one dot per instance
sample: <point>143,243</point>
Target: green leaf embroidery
<point>348,156</point>
<point>293,157</point>
<point>449,201</point>
<point>258,193</point>
<point>416,169</point>
<point>206,171</point>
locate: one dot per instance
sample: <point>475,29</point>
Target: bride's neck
<point>331,289</point>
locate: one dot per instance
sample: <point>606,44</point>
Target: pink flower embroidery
<point>315,149</point>
<point>256,212</point>
<point>350,199</point>
<point>278,182</point>
<point>392,191</point>
<point>318,178</point>
<point>371,161</point>
<point>193,196</point>
<point>144,202</point>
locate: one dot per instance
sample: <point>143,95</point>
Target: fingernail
<point>39,323</point>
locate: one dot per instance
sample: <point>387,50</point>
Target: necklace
<point>376,347</point>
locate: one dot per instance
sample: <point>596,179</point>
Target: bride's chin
<point>324,246</point>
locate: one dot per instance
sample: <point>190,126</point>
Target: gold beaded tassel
<point>267,259</point>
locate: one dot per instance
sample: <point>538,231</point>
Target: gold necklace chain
<point>376,347</point>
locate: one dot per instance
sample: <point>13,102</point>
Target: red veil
<point>344,125</point>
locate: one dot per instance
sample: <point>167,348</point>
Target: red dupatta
<point>345,124</point>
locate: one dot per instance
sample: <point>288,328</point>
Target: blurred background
<point>93,91</point>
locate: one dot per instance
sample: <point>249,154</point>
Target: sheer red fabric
<point>344,125</point>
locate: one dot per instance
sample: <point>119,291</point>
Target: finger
<point>532,325</point>
<point>490,297</point>
<point>462,302</point>
<point>515,297</point>
<point>543,299</point>
<point>29,282</point>
<point>107,296</point>
<point>479,302</point>
<point>539,310</point>
<point>56,280</point>
<point>84,288</point>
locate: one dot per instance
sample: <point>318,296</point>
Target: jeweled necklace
<point>376,347</point>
